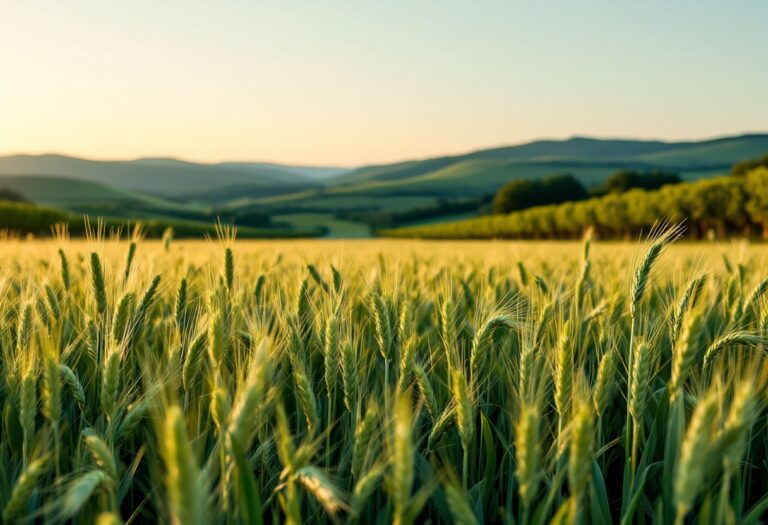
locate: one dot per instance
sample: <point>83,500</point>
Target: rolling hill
<point>581,152</point>
<point>473,173</point>
<point>482,172</point>
<point>67,192</point>
<point>166,177</point>
<point>169,187</point>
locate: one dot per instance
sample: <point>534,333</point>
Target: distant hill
<point>478,173</point>
<point>318,173</point>
<point>256,168</point>
<point>96,199</point>
<point>541,151</point>
<point>483,171</point>
<point>166,177</point>
<point>66,192</point>
<point>167,187</point>
<point>579,153</point>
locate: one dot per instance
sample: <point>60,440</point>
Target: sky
<point>347,83</point>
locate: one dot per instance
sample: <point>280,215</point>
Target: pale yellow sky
<point>348,83</point>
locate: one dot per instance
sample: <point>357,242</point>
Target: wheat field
<point>225,381</point>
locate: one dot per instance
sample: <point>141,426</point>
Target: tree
<point>563,188</point>
<point>516,195</point>
<point>757,204</point>
<point>8,195</point>
<point>624,180</point>
<point>612,215</point>
<point>642,208</point>
<point>717,203</point>
<point>743,168</point>
<point>726,205</point>
<point>521,194</point>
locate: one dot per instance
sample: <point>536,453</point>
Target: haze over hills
<point>258,168</point>
<point>165,177</point>
<point>159,186</point>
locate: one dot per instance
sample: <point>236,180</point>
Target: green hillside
<point>424,184</point>
<point>721,153</point>
<point>26,218</point>
<point>711,208</point>
<point>160,177</point>
<point>68,192</point>
<point>482,176</point>
<point>170,188</point>
<point>568,151</point>
<point>96,199</point>
<point>468,178</point>
<point>589,159</point>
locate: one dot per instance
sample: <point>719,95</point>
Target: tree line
<point>521,194</point>
<point>712,208</point>
<point>23,218</point>
<point>377,219</point>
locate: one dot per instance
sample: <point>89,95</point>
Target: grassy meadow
<point>388,381</point>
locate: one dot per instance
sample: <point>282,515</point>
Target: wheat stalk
<point>685,351</point>
<point>98,285</point>
<point>401,472</point>
<point>363,438</point>
<point>527,452</point>
<point>694,454</point>
<point>605,383</point>
<point>23,488</point>
<point>183,483</point>
<point>460,508</point>
<point>733,338</point>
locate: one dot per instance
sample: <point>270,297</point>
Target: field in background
<point>361,381</point>
<point>334,227</point>
<point>361,254</point>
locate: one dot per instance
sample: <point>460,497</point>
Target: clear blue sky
<point>351,82</point>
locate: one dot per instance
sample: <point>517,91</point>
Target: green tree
<point>717,203</point>
<point>522,194</point>
<point>625,180</point>
<point>8,195</point>
<point>726,205</point>
<point>743,168</point>
<point>757,204</point>
<point>516,195</point>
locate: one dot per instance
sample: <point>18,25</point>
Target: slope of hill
<point>288,173</point>
<point>169,187</point>
<point>81,196</point>
<point>581,152</point>
<point>162,177</point>
<point>541,151</point>
<point>22,218</point>
<point>722,153</point>
<point>482,171</point>
<point>65,192</point>
<point>425,183</point>
<point>584,148</point>
<point>318,173</point>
